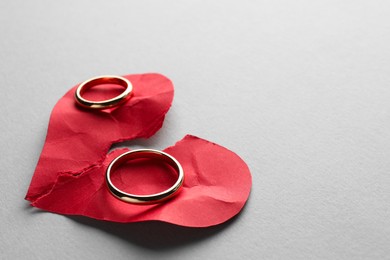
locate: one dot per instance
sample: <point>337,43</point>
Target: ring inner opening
<point>103,89</point>
<point>144,176</point>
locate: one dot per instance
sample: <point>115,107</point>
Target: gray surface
<point>299,89</point>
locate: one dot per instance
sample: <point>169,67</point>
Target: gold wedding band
<point>145,199</point>
<point>109,103</point>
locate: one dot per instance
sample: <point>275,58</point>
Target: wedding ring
<point>109,103</point>
<point>148,154</point>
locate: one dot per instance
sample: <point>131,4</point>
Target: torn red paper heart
<point>69,177</point>
<point>78,139</point>
<point>216,186</point>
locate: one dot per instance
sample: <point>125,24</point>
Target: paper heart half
<point>216,186</point>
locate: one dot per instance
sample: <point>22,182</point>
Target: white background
<point>299,89</point>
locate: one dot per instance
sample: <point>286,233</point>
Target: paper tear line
<point>154,127</point>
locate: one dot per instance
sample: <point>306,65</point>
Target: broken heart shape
<point>70,175</point>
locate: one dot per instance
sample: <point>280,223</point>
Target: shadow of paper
<point>155,235</point>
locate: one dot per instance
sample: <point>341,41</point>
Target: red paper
<point>69,178</point>
<point>216,186</point>
<point>78,139</point>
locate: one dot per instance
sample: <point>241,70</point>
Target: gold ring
<point>145,199</point>
<point>109,103</point>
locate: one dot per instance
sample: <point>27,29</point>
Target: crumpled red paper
<point>216,186</point>
<point>78,139</point>
<point>69,178</point>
